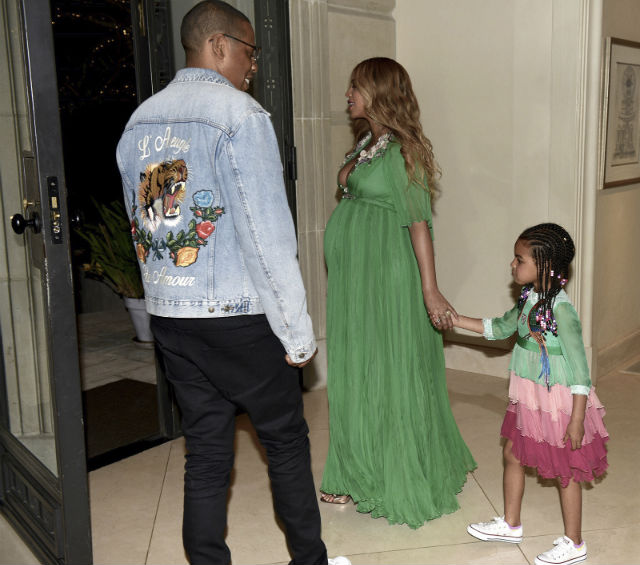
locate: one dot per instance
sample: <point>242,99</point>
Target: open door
<point>44,491</point>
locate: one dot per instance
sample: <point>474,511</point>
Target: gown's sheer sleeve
<point>503,327</point>
<point>412,202</point>
<point>570,337</point>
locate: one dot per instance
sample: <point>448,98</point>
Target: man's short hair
<point>205,19</point>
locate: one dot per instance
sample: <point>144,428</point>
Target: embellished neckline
<point>365,155</point>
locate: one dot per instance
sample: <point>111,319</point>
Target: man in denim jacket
<point>215,240</point>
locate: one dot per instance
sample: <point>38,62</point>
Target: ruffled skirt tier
<point>536,422</point>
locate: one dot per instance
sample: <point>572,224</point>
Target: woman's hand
<point>442,314</point>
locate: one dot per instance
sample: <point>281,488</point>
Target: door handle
<point>19,223</point>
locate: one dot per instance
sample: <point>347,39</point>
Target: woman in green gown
<point>395,448</point>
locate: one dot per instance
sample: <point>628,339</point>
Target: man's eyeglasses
<point>255,55</point>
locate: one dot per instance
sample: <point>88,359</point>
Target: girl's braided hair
<point>552,250</point>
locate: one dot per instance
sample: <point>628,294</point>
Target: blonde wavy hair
<point>385,86</point>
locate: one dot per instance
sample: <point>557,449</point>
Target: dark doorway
<point>97,92</point>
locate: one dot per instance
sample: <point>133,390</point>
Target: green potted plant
<point>113,261</point>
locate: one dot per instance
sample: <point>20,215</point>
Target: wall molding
<point>588,159</point>
<point>612,357</point>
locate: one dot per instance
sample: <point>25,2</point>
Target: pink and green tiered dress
<point>539,412</point>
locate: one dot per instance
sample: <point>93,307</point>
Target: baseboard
<point>477,359</point>
<point>612,356</point>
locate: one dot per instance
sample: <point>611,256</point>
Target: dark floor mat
<point>119,414</point>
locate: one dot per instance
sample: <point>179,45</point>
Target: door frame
<point>273,84</point>
<point>50,512</point>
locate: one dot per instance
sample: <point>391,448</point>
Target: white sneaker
<point>564,552</point>
<point>497,530</point>
<point>339,560</point>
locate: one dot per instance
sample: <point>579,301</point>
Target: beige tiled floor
<point>137,503</point>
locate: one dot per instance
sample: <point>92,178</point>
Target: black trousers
<point>216,366</point>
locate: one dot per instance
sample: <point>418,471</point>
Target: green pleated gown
<point>394,446</point>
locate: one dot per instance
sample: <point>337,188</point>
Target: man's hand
<point>300,365</point>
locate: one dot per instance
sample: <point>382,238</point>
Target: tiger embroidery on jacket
<point>161,190</point>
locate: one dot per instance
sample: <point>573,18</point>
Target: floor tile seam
<point>631,526</point>
<point>427,547</point>
<point>527,537</point>
<point>484,492</point>
<point>523,553</point>
<point>155,516</point>
<point>634,376</point>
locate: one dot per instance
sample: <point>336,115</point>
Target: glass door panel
<point>23,324</point>
<point>43,480</point>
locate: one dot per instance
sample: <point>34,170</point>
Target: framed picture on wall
<point>620,147</point>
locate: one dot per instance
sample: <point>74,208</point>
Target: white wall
<point>509,92</point>
<point>617,254</point>
<point>501,87</point>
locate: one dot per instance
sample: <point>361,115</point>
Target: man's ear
<point>218,45</point>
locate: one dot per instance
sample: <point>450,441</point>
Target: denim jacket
<point>212,229</point>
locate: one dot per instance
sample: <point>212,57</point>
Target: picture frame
<point>620,145</point>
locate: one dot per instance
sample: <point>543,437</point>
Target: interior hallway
<point>136,503</point>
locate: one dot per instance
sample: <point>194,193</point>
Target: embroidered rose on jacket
<point>205,229</point>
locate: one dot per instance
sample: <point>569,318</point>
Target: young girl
<point>554,419</point>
